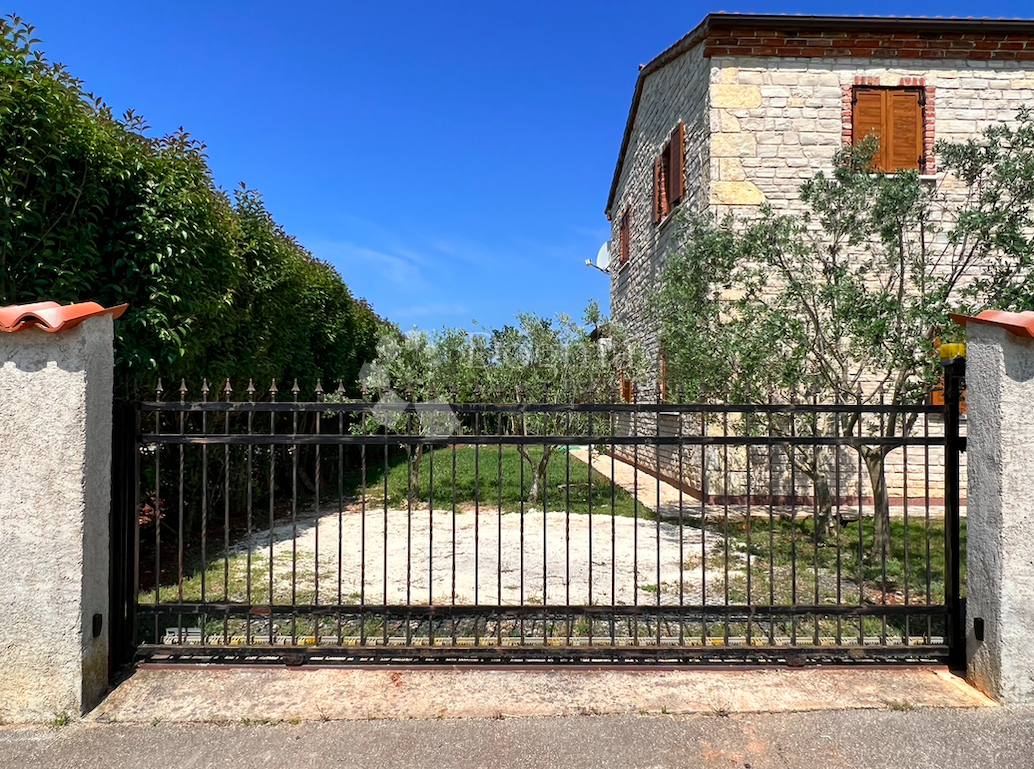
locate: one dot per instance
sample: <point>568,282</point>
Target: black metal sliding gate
<point>330,531</point>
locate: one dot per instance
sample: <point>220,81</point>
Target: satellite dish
<point>603,257</point>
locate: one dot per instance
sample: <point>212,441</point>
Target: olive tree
<point>535,361</point>
<point>845,301</point>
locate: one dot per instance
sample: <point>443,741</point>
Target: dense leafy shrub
<point>92,208</point>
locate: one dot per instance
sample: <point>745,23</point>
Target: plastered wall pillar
<point>55,490</point>
<point>1000,525</point>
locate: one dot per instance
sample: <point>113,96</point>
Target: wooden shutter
<point>895,115</point>
<point>626,389</point>
<point>676,166</point>
<point>624,235</point>
<point>662,379</point>
<point>868,119</point>
<point>657,215</point>
<point>904,127</point>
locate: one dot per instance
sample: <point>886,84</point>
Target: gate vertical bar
<point>954,373</point>
<point>124,527</point>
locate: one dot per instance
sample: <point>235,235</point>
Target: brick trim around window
<point>929,113</point>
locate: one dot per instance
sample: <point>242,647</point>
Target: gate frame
<point>125,530</point>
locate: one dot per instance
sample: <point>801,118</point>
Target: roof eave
<point>684,44</point>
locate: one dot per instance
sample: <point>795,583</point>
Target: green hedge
<point>92,208</point>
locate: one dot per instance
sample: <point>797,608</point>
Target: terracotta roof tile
<point>1016,323</point>
<point>51,316</point>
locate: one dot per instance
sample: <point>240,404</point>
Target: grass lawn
<point>493,479</point>
<point>912,575</point>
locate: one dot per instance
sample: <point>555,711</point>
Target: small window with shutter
<point>626,390</point>
<point>624,236</point>
<point>895,117</point>
<point>669,170</point>
<point>662,378</point>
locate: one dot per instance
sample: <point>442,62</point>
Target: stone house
<point>744,108</point>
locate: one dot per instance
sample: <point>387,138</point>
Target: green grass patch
<point>787,564</point>
<point>913,567</point>
<point>501,479</point>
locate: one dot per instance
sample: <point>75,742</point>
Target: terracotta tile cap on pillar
<point>51,316</point>
<point>1016,323</point>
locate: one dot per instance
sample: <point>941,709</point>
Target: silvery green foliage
<point>537,360</point>
<point>847,301</point>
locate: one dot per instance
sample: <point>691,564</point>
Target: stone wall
<point>772,122</point>
<point>757,127</point>
<point>677,92</point>
<point>776,121</point>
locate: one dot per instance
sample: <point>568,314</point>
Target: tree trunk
<point>540,470</point>
<point>823,497</point>
<point>876,465</point>
<point>823,505</point>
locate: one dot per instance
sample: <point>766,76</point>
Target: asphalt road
<point>942,738</point>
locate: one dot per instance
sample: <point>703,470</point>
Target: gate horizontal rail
<point>541,655</point>
<point>359,407</point>
<point>309,439</point>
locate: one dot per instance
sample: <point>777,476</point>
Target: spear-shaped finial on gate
<point>295,390</point>
<point>341,388</point>
<point>159,390</point>
<point>251,390</point>
<point>227,389</point>
<point>204,390</point>
<point>183,390</point>
<point>319,390</point>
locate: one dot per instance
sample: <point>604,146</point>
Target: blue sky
<point>451,159</point>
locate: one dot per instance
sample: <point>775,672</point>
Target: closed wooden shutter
<point>895,116</point>
<point>662,379</point>
<point>905,129</point>
<point>657,214</point>
<point>676,166</point>
<point>868,119</point>
<point>626,389</point>
<point>625,235</point>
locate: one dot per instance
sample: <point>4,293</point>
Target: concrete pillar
<point>55,491</point>
<point>1000,525</point>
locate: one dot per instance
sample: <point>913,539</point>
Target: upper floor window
<point>668,175</point>
<point>624,236</point>
<point>895,116</point>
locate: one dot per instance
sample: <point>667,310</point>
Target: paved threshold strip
<point>320,694</point>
